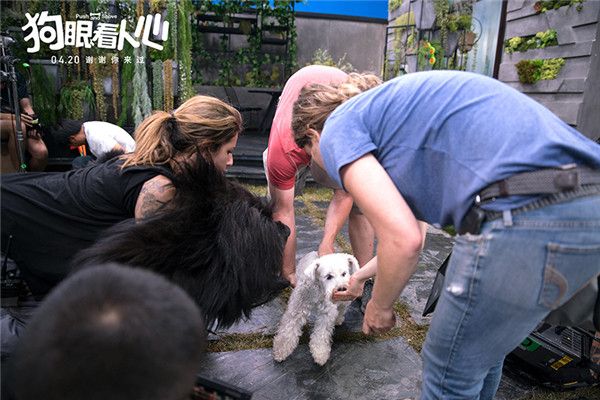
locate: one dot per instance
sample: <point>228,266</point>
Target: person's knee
<point>37,148</point>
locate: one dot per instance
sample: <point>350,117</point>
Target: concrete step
<point>247,173</point>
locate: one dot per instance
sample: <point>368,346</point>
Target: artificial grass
<point>407,328</point>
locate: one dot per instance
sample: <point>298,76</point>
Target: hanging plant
<point>168,88</point>
<point>157,85</point>
<point>43,90</point>
<point>127,12</point>
<point>139,8</point>
<point>115,89</point>
<point>185,51</point>
<point>466,41</point>
<point>73,99</point>
<point>172,42</point>
<point>156,6</point>
<point>142,106</point>
<point>98,73</point>
<point>442,8</point>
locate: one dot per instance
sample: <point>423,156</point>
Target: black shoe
<point>366,296</point>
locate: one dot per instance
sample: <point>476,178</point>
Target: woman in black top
<point>210,236</point>
<point>51,216</point>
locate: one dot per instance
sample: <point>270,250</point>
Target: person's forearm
<point>395,264</point>
<point>289,252</point>
<point>337,214</point>
<point>367,271</point>
<point>26,106</point>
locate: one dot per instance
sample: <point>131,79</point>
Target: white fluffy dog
<point>318,278</point>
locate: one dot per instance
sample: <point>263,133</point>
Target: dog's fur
<point>215,239</point>
<point>316,284</point>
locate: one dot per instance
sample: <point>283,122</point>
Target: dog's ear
<point>353,264</point>
<point>311,270</point>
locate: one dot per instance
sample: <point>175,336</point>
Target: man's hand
<point>325,248</point>
<point>291,278</point>
<point>27,119</point>
<point>377,319</point>
<point>355,289</point>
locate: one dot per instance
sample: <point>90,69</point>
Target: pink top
<point>284,157</point>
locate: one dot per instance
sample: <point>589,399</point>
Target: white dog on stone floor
<point>318,278</point>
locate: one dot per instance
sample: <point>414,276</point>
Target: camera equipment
<point>11,285</point>
<point>555,356</point>
<point>206,389</point>
<point>7,65</point>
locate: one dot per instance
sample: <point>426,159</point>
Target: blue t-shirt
<point>443,136</point>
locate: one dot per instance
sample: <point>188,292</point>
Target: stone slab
<point>380,370</point>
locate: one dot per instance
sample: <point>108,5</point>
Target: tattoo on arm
<point>154,195</point>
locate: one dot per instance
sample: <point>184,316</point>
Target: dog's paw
<point>281,348</point>
<point>321,358</point>
<point>320,353</point>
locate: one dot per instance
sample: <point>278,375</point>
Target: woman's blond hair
<point>316,102</point>
<point>201,124</point>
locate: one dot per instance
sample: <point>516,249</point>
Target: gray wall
<point>361,41</point>
<point>578,80</point>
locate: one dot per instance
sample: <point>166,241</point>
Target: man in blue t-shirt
<point>452,148</point>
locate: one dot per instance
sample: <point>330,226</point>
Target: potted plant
<point>466,41</point>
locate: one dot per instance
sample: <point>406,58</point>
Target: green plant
<point>546,5</point>
<point>459,22</point>
<point>73,98</point>
<point>322,57</point>
<point>531,71</point>
<point>185,50</point>
<point>44,96</point>
<point>127,11</point>
<point>157,85</point>
<point>430,53</point>
<point>551,68</point>
<point>141,104</point>
<point>394,4</point>
<point>250,65</point>
<point>538,41</point>
<point>442,9</point>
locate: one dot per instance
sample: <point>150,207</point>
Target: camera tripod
<point>9,75</point>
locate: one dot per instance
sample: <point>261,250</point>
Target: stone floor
<point>379,370</point>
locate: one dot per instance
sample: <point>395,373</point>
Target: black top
<point>52,216</point>
<point>6,92</point>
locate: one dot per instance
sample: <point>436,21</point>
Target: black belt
<point>543,181</point>
<point>559,184</point>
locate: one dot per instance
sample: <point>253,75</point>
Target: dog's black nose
<point>342,289</point>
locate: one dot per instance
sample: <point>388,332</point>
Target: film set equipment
<point>558,357</point>
<point>9,77</point>
<point>11,284</point>
<point>211,388</point>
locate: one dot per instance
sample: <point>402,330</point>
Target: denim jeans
<point>499,285</point>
